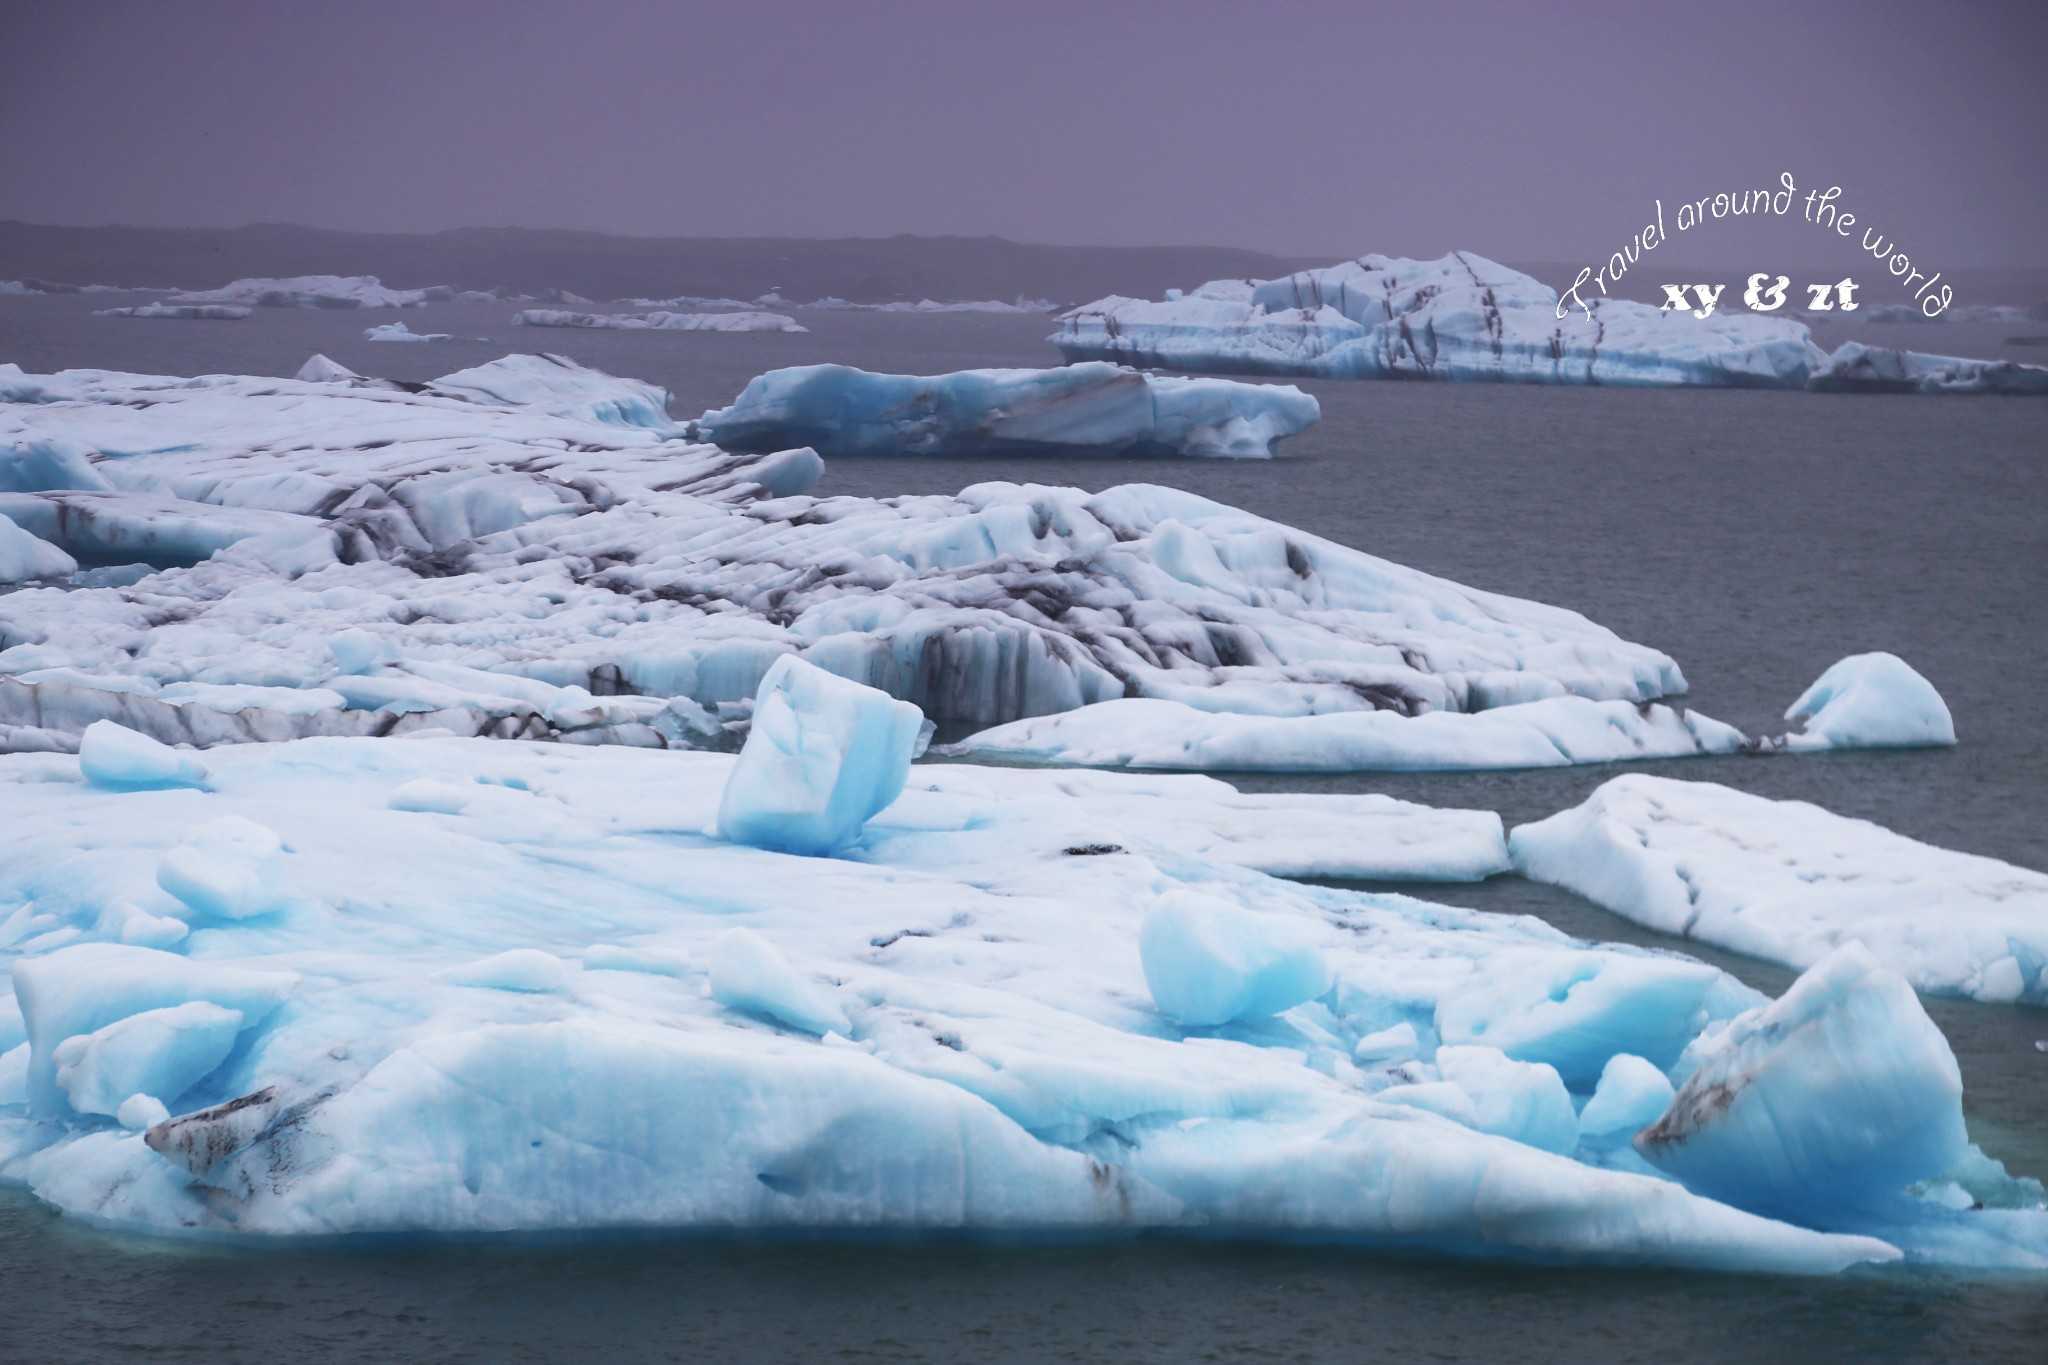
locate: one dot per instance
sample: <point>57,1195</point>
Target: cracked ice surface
<point>555,1000</point>
<point>1791,882</point>
<point>528,547</point>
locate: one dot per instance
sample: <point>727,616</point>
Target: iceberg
<point>1462,317</point>
<point>565,1003</point>
<point>1157,733</point>
<point>120,759</point>
<point>1089,409</point>
<point>1791,882</point>
<point>1857,368</point>
<point>533,548</point>
<point>223,312</point>
<point>1869,701</point>
<point>1022,305</point>
<point>24,557</point>
<point>315,291</point>
<point>660,322</point>
<point>1839,1092</point>
<point>822,757</point>
<point>397,331</point>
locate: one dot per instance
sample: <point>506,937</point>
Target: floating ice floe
<point>398,331</point>
<point>1791,882</point>
<point>222,312</point>
<point>690,301</point>
<point>555,1000</point>
<point>1857,368</point>
<point>1087,409</point>
<point>1865,701</point>
<point>1022,305</point>
<point>316,291</point>
<point>530,547</point>
<point>1461,317</point>
<point>660,322</point>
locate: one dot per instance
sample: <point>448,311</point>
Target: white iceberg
<point>1003,1064</point>
<point>529,547</point>
<point>1089,409</point>
<point>1869,701</point>
<point>395,331</point>
<point>1555,732</point>
<point>1791,882</point>
<point>660,322</point>
<point>120,759</point>
<point>315,291</point>
<point>222,312</point>
<point>1462,317</point>
<point>1857,368</point>
<point>822,757</point>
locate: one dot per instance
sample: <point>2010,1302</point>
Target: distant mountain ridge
<point>601,266</point>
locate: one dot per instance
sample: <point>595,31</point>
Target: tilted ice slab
<point>660,322</point>
<point>221,312</point>
<point>1088,409</point>
<point>1857,368</point>
<point>530,1011</point>
<point>24,556</point>
<point>316,291</point>
<point>1790,882</point>
<point>529,547</point>
<point>1461,317</point>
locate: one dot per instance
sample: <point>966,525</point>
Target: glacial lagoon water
<point>1755,536</point>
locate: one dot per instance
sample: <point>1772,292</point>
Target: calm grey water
<point>1756,537</point>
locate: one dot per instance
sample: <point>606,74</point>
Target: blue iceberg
<point>1086,409</point>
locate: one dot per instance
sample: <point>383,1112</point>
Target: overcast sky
<point>1539,131</point>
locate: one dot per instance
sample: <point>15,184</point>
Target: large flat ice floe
<point>550,997</point>
<point>200,312</point>
<point>529,547</point>
<point>1791,882</point>
<point>317,291</point>
<point>1086,409</point>
<point>1461,317</point>
<point>1857,368</point>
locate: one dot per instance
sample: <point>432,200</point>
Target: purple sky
<point>1523,131</point>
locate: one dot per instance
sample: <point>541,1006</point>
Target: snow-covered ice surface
<point>530,547</point>
<point>1085,409</point>
<point>214,312</point>
<point>556,1000</point>
<point>660,322</point>
<point>317,291</point>
<point>1791,882</point>
<point>1461,317</point>
<point>1857,368</point>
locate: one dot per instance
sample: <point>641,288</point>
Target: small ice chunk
<point>1632,1094</point>
<point>1388,1044</point>
<point>426,795</point>
<point>139,1112</point>
<point>1840,1090</point>
<point>318,369</point>
<point>354,650</point>
<point>112,755</point>
<point>138,926</point>
<point>1870,701</point>
<point>516,969</point>
<point>748,973</point>
<point>824,755</point>
<point>1525,1101</point>
<point>227,867</point>
<point>160,1053</point>
<point>1209,962</point>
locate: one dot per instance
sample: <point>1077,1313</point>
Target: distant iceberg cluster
<point>1467,318</point>
<point>218,312</point>
<point>1085,409</point>
<point>659,321</point>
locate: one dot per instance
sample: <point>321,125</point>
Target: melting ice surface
<point>1017,1000</point>
<point>1085,409</point>
<point>529,547</point>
